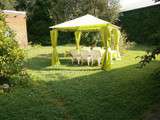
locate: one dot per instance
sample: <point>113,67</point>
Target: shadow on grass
<point>121,94</point>
<point>43,62</point>
<point>39,62</point>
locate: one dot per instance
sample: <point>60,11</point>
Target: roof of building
<point>138,6</point>
<point>14,12</point>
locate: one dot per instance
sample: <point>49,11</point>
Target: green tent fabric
<point>78,38</point>
<point>116,36</point>
<point>87,23</point>
<point>55,59</point>
<point>106,59</point>
<point>117,40</point>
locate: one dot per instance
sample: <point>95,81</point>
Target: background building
<point>17,22</point>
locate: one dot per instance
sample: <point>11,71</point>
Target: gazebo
<point>88,23</point>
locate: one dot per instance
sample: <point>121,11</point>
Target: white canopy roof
<point>87,20</point>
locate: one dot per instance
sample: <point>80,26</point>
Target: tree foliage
<point>45,13</point>
<point>156,0</point>
<point>41,14</point>
<point>69,9</point>
<point>7,4</point>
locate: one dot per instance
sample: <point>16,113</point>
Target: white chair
<point>96,56</point>
<point>114,54</point>
<point>75,56</point>
<point>102,50</point>
<point>85,56</point>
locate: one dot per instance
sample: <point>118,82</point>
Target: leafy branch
<point>150,56</point>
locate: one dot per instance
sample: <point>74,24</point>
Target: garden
<point>75,92</point>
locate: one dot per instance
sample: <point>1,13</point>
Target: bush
<point>123,42</point>
<point>150,56</point>
<point>90,38</point>
<point>156,74</point>
<point>22,79</point>
<point>147,58</point>
<point>11,56</point>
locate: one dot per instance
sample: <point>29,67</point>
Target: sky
<point>133,4</point>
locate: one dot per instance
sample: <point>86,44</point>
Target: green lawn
<point>71,92</point>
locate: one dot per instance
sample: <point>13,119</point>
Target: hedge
<point>142,25</point>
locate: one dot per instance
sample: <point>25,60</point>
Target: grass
<point>71,92</point>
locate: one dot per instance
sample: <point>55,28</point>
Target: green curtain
<point>78,38</point>
<point>117,35</point>
<point>102,37</point>
<point>105,32</point>
<point>106,38</point>
<point>54,36</point>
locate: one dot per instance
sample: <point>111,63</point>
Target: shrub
<point>23,79</point>
<point>11,56</point>
<point>150,56</point>
<point>123,42</point>
<point>147,58</point>
<point>90,38</point>
<point>156,74</point>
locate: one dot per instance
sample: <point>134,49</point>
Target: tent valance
<point>88,23</point>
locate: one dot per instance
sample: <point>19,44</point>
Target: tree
<point>69,9</point>
<point>44,13</point>
<point>38,20</point>
<point>156,0</point>
<point>7,4</point>
<point>24,5</point>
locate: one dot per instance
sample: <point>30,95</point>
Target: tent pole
<point>78,38</point>
<point>117,36</point>
<point>106,38</point>
<point>54,36</point>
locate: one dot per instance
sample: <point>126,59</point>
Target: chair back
<point>95,54</point>
<point>85,54</point>
<point>74,53</point>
